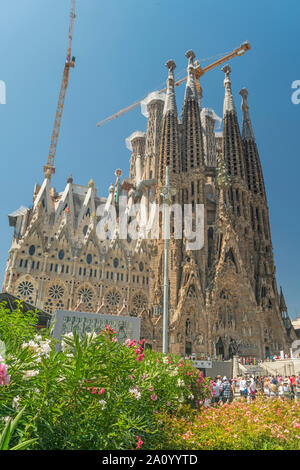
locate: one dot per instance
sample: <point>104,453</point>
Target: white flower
<point>165,360</point>
<point>63,344</point>
<point>15,402</point>
<point>174,372</point>
<point>181,399</point>
<point>5,419</point>
<point>30,373</point>
<point>102,403</point>
<point>91,336</point>
<point>41,347</point>
<point>45,348</point>
<point>191,396</point>
<point>61,378</point>
<point>135,393</point>
<point>180,383</point>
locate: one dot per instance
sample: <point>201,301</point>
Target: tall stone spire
<point>192,136</point>
<point>282,304</point>
<point>190,89</point>
<point>232,142</point>
<point>247,131</point>
<point>228,100</point>
<point>170,102</point>
<point>254,173</point>
<point>169,153</point>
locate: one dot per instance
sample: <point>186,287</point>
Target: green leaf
<point>24,444</point>
<point>5,436</point>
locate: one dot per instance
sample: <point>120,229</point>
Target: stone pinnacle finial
<point>171,65</point>
<point>48,174</point>
<point>91,183</point>
<point>70,179</point>
<point>227,70</point>
<point>244,95</point>
<point>247,131</point>
<point>191,56</point>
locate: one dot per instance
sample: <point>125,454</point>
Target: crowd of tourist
<point>250,361</point>
<point>248,388</point>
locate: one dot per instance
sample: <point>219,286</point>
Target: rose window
<point>56,291</point>
<point>139,302</point>
<point>25,288</point>
<point>113,298</point>
<point>85,295</point>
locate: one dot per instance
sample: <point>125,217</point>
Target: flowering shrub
<point>94,393</point>
<point>260,425</point>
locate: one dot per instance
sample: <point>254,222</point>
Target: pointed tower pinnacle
<point>192,135</point>
<point>228,100</point>
<point>232,141</point>
<point>247,132</point>
<point>169,153</point>
<point>170,102</point>
<point>254,174</point>
<point>282,304</point>
<point>190,89</point>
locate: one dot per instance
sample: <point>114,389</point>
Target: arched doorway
<point>267,352</point>
<point>220,348</point>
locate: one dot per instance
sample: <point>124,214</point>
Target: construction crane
<point>199,71</point>
<point>70,62</point>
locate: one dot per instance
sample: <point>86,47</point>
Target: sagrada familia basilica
<point>223,297</point>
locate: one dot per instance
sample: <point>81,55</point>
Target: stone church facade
<point>223,298</point>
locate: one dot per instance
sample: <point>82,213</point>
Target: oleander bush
<point>91,393</point>
<point>263,424</point>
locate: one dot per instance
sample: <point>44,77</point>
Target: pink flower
<point>153,397</point>
<point>4,377</point>
<point>94,390</point>
<point>139,443</point>
<point>101,391</point>
<point>140,357</point>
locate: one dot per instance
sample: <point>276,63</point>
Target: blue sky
<point>121,47</point>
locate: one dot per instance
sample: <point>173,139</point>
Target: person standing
<point>267,387</point>
<point>286,389</point>
<point>216,392</point>
<point>242,386</point>
<point>273,388</point>
<point>292,386</point>
<point>252,388</point>
<point>281,391</point>
<point>227,391</point>
<point>297,388</point>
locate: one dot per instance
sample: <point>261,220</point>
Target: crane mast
<point>70,62</point>
<point>198,73</point>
